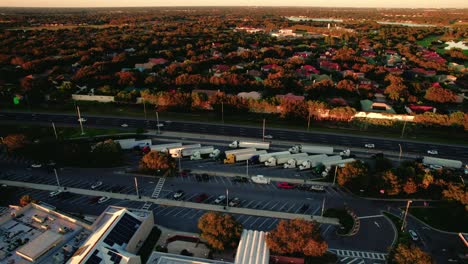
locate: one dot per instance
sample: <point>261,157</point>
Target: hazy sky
<point>331,3</point>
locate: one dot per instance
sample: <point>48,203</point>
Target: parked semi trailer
<point>250,144</point>
<point>202,152</point>
<point>265,157</point>
<point>233,158</point>
<point>164,147</point>
<point>281,159</point>
<point>456,164</point>
<point>295,162</point>
<point>130,143</point>
<point>309,164</point>
<point>311,149</point>
<point>177,151</point>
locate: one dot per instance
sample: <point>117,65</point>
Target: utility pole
<point>80,119</point>
<point>334,177</point>
<point>136,187</point>
<point>323,206</point>
<point>157,122</point>
<point>180,157</point>
<point>247,171</point>
<point>401,151</point>
<point>308,122</point>
<point>403,224</point>
<point>403,130</point>
<point>222,112</point>
<point>227,198</point>
<point>144,110</point>
<point>56,177</point>
<point>55,131</point>
<point>263,130</point>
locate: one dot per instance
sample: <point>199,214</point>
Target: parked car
<point>55,193</point>
<point>432,152</point>
<point>124,125</point>
<point>268,136</point>
<point>177,195</point>
<point>235,202</point>
<point>96,184</point>
<point>103,199</point>
<point>285,185</point>
<point>413,235</point>
<point>371,146</point>
<point>82,119</point>
<point>240,179</point>
<point>220,199</point>
<point>36,165</point>
<point>201,198</point>
<point>205,177</point>
<point>317,188</point>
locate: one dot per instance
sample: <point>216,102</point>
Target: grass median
<point>445,216</point>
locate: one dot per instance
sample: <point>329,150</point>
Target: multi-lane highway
<point>459,152</point>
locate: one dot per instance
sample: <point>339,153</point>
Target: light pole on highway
<point>56,177</point>
<point>334,177</point>
<point>403,129</point>
<point>403,224</point>
<point>222,112</point>
<point>323,206</point>
<point>136,187</point>
<point>247,168</point>
<point>263,138</point>
<point>227,198</point>
<point>157,122</point>
<point>180,157</point>
<point>401,152</point>
<point>55,131</point>
<point>308,122</point>
<point>463,181</point>
<point>80,119</point>
<point>144,110</point>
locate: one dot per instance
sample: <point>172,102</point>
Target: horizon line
<point>260,6</point>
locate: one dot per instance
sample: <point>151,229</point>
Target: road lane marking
<point>370,216</point>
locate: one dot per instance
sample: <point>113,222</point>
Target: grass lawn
<point>446,216</point>
<point>426,42</point>
<point>345,219</point>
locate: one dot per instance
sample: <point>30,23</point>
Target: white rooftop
<point>252,248</point>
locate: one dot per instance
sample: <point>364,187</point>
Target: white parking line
<point>246,220</point>
<point>258,218</point>
<point>189,211</point>
<point>247,205</point>
<point>170,211</point>
<point>326,230</point>
<point>264,221</point>
<point>272,223</point>
<point>316,210</point>
<point>196,213</point>
<point>266,205</point>
<point>189,198</point>
<point>183,210</point>
<point>162,209</point>
<point>282,206</point>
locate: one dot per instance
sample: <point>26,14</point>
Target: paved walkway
<point>166,202</point>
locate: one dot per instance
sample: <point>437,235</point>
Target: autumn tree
<point>221,231</point>
<point>410,186</point>
<point>440,95</point>
<point>346,85</point>
<point>154,161</point>
<point>396,88</point>
<point>297,236</point>
<point>354,173</point>
<point>391,183</point>
<point>14,142</point>
<point>411,255</point>
<point>107,153</point>
<point>456,192</point>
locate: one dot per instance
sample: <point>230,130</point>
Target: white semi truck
<point>293,163</point>
<point>456,164</point>
<point>164,147</point>
<point>265,157</point>
<point>309,164</point>
<point>176,151</point>
<point>311,149</point>
<point>250,144</point>
<point>202,152</point>
<point>338,162</point>
<point>281,159</point>
<point>130,143</point>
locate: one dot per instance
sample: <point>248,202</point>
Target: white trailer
<point>260,179</point>
<point>293,163</point>
<point>128,143</point>
<point>164,147</point>
<point>281,159</point>
<point>236,151</point>
<point>264,157</point>
<point>199,153</point>
<point>246,156</point>
<point>176,151</point>
<point>311,163</point>
<point>232,157</point>
<point>456,164</point>
<point>250,144</point>
<point>338,162</point>
<point>311,149</point>
<point>190,151</point>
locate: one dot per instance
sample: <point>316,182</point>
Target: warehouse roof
<point>41,244</point>
<point>252,248</point>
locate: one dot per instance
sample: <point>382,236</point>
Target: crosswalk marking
<point>359,254</point>
<point>147,205</point>
<point>158,188</point>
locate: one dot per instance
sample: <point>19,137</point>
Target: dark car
<point>201,198</point>
<point>240,179</point>
<point>205,177</point>
<point>235,202</point>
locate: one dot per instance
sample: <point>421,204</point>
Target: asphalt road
<point>446,151</point>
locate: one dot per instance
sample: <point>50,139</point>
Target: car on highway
<point>178,195</point>
<point>268,136</point>
<point>432,152</point>
<point>82,119</point>
<point>201,198</point>
<point>317,188</point>
<point>413,235</point>
<point>371,146</point>
<point>96,184</point>
<point>220,199</point>
<point>240,179</point>
<point>36,165</point>
<point>235,202</point>
<point>285,185</point>
<point>103,199</point>
<point>124,125</point>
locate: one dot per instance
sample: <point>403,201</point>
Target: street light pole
<point>227,198</point>
<point>247,172</point>
<point>157,122</point>
<point>323,206</point>
<point>180,165</point>
<point>403,224</point>
<point>263,130</point>
<point>144,110</point>
<point>308,122</point>
<point>79,119</point>
<point>401,151</point>
<point>136,187</point>
<point>56,177</point>
<point>222,112</point>
<point>334,177</point>
<point>403,130</point>
<point>55,131</point>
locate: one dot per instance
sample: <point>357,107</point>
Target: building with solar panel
<point>118,235</point>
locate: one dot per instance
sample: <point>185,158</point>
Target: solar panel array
<point>94,259</point>
<point>123,231</point>
<point>114,257</point>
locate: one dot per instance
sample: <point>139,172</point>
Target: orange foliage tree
<point>221,231</point>
<point>155,160</point>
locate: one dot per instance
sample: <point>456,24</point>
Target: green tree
<point>297,236</point>
<point>221,231</point>
<point>107,153</point>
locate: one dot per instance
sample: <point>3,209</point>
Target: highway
<point>458,152</point>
